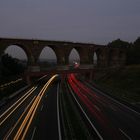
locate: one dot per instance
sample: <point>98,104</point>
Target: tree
<point>11,66</point>
<point>137,43</point>
<point>133,52</point>
<point>118,43</point>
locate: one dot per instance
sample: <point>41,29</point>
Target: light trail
<point>15,103</point>
<point>12,82</point>
<point>11,130</point>
<point>85,95</point>
<point>29,117</point>
<point>18,104</point>
<point>42,77</point>
<point>94,128</point>
<point>25,120</point>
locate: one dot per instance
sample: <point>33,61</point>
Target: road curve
<point>112,119</point>
<point>33,115</point>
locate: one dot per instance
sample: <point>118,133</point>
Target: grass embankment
<point>123,84</point>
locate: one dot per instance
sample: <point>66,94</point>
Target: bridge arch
<point>95,58</point>
<point>47,57</point>
<point>74,55</point>
<point>97,54</point>
<point>16,52</point>
<point>106,56</point>
<point>18,49</point>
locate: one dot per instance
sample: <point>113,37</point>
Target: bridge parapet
<point>90,66</point>
<point>34,69</point>
<point>38,68</point>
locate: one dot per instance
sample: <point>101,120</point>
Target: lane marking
<point>99,135</point>
<point>5,137</point>
<point>58,114</point>
<point>42,77</point>
<point>33,133</point>
<point>125,134</point>
<point>97,108</point>
<point>114,109</point>
<point>41,108</point>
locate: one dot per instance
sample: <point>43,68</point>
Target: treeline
<point>10,68</point>
<point>132,50</point>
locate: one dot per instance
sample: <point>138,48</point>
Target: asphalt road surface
<point>112,119</point>
<point>32,115</point>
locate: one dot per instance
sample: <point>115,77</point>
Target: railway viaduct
<point>106,56</point>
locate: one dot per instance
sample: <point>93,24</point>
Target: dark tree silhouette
<point>11,66</point>
<point>133,52</point>
<point>137,43</point>
<point>118,43</point>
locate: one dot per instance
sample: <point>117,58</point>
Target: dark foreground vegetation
<point>123,83</point>
<point>11,70</point>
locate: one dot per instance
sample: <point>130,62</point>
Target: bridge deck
<point>58,71</point>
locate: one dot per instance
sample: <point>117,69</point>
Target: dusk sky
<point>94,21</point>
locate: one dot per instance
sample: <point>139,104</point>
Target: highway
<point>74,124</point>
<point>32,115</point>
<point>111,119</point>
<point>69,109</point>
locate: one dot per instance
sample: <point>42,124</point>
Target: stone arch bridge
<point>106,57</point>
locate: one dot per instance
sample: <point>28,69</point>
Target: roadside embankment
<point>123,84</point>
